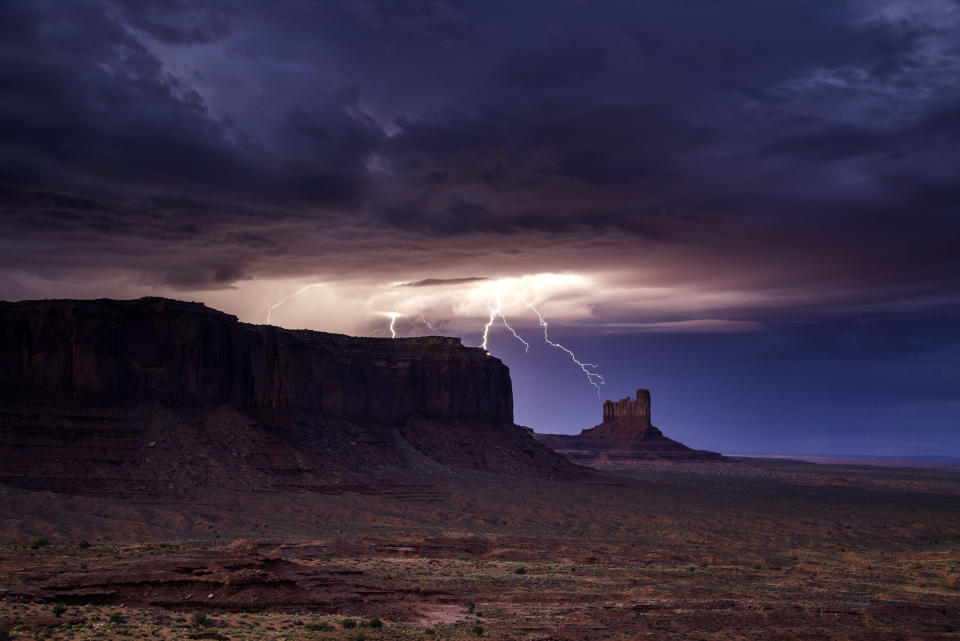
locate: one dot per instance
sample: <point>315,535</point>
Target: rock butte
<point>151,397</point>
<point>625,436</point>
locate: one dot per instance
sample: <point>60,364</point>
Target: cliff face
<point>626,423</point>
<point>121,389</point>
<point>109,353</point>
<point>627,410</point>
<point>625,436</point>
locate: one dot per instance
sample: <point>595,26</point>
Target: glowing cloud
<point>492,299</point>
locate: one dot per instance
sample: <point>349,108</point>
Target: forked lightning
<point>495,307</point>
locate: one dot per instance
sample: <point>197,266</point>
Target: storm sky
<point>750,207</point>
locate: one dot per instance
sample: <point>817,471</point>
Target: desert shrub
<point>471,606</point>
<point>322,626</point>
<point>374,622</point>
<point>83,544</point>
<point>477,630</point>
<point>349,623</point>
<point>199,620</point>
<point>520,570</point>
<point>358,636</point>
<point>42,542</point>
<point>59,609</point>
<point>116,617</point>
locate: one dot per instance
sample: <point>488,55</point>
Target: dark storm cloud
<point>179,22</point>
<point>199,144</point>
<point>437,282</point>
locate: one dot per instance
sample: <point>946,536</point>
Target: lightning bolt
<point>595,379</point>
<point>526,345</point>
<point>426,324</point>
<point>286,298</point>
<point>432,328</point>
<point>486,328</point>
<point>393,319</point>
<point>498,311</point>
<point>495,307</point>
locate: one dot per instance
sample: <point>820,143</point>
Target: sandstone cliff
<point>110,395</point>
<point>625,436</point>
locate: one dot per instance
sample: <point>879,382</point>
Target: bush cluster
<point>322,626</point>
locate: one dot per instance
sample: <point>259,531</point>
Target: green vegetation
<point>322,626</point>
<point>349,623</point>
<point>199,620</point>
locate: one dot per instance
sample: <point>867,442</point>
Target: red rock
<point>87,387</point>
<point>625,435</point>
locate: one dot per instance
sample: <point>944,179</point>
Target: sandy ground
<point>731,550</point>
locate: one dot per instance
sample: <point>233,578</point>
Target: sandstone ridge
<point>155,395</point>
<point>625,436</point>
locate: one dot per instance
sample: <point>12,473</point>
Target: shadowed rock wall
<point>628,410</point>
<point>180,354</point>
<point>156,394</point>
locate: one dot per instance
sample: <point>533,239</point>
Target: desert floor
<point>733,550</point>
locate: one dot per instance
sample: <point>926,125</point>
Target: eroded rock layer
<point>157,394</point>
<point>625,436</point>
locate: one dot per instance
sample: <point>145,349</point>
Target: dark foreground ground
<point>725,550</point>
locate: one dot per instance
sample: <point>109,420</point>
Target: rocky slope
<point>153,396</point>
<point>625,436</point>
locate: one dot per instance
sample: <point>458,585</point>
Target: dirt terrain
<point>738,549</point>
<point>167,472</point>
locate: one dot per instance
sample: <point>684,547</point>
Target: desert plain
<point>709,550</point>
